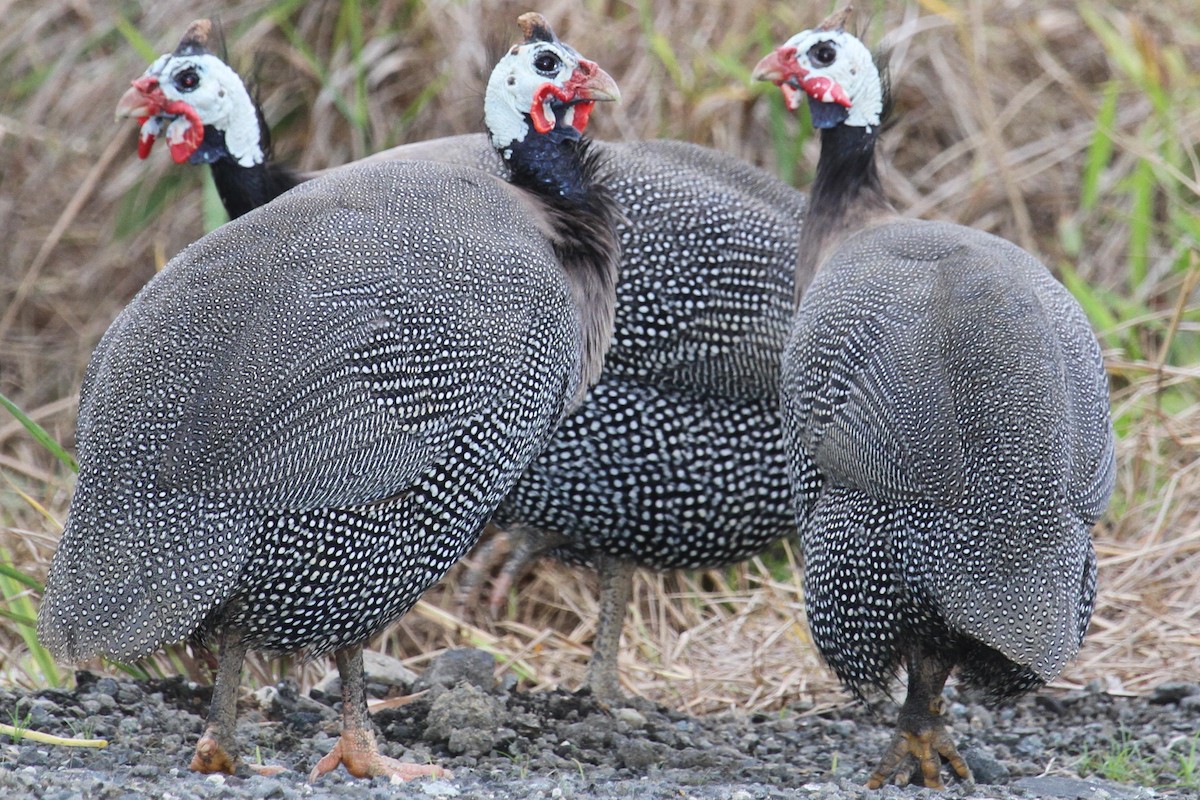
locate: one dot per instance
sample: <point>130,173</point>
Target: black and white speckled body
<point>309,415</point>
<point>946,411</point>
<point>676,458</point>
<point>307,418</point>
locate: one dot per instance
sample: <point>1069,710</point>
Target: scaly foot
<point>211,756</point>
<point>920,748</point>
<point>357,752</point>
<point>513,552</point>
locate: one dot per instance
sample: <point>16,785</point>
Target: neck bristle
<point>561,172</point>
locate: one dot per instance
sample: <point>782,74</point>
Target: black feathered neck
<point>846,194</point>
<point>243,189</point>
<point>552,164</point>
<point>561,173</point>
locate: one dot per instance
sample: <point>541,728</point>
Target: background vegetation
<point>1069,127</point>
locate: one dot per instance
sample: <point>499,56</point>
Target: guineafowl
<point>946,413</point>
<point>675,459</point>
<point>208,117</point>
<point>308,416</point>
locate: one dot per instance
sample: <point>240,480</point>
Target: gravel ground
<point>506,743</point>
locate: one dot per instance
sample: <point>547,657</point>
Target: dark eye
<point>822,54</point>
<point>547,63</point>
<point>187,80</point>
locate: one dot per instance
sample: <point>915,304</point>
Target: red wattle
<point>537,111</point>
<point>583,112</point>
<point>145,140</point>
<point>825,90</point>
<point>183,147</point>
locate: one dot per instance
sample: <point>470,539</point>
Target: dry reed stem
<point>996,106</point>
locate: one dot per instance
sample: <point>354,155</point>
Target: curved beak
<point>587,85</point>
<point>777,66</point>
<point>592,84</point>
<point>144,98</point>
<point>781,68</point>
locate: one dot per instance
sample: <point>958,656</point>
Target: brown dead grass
<point>997,104</point>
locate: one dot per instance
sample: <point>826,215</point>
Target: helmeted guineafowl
<point>208,117</point>
<point>676,459</point>
<point>946,411</point>
<point>307,417</point>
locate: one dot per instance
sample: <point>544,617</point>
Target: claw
<point>357,752</point>
<point>514,551</point>
<point>921,740</point>
<point>211,756</point>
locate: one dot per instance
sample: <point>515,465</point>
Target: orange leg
<point>921,740</point>
<point>356,749</point>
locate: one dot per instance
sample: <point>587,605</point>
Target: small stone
<point>466,718</point>
<point>264,787</point>
<point>1031,746</point>
<point>984,766</point>
<point>1174,692</point>
<point>981,718</point>
<point>439,788</point>
<point>463,664</point>
<point>631,717</point>
<point>1190,703</point>
<point>637,754</point>
<point>1058,786</point>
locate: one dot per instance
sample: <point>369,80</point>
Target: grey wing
<point>933,365</point>
<point>321,379</point>
<point>868,388</point>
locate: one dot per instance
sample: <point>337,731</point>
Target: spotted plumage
<point>676,458</point>
<point>946,412</point>
<point>308,416</point>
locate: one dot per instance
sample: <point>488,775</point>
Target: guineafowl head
<point>834,70</point>
<point>198,102</point>
<point>542,85</point>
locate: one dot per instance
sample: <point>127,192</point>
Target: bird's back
<point>708,261</point>
<point>329,350</point>
<point>944,376</point>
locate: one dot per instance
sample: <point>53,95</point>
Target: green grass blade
<point>1100,150</point>
<point>135,39</point>
<point>9,571</point>
<point>1141,222</point>
<point>39,434</point>
<point>20,609</point>
<point>19,618</point>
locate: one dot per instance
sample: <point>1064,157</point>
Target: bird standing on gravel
<point>675,459</point>
<point>307,417</point>
<point>946,413</point>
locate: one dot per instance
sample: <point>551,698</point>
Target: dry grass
<point>999,106</point>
